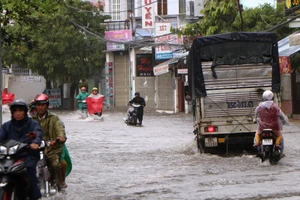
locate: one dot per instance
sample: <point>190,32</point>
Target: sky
<point>255,3</point>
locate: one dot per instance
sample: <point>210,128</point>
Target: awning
<point>284,47</point>
<point>143,32</point>
<point>163,68</point>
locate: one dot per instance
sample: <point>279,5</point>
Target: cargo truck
<point>227,74</point>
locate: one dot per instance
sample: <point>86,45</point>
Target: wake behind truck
<point>227,74</point>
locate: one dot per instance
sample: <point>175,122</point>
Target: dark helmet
<point>41,99</point>
<point>31,105</point>
<point>137,94</point>
<point>18,103</point>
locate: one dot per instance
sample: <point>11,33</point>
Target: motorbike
<point>13,175</point>
<point>268,149</point>
<point>84,111</point>
<point>43,173</point>
<point>132,115</point>
<point>48,183</point>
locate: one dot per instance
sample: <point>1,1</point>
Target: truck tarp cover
<point>232,49</point>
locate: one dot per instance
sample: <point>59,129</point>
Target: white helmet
<point>268,95</point>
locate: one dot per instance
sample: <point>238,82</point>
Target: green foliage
<point>52,42</point>
<point>221,16</point>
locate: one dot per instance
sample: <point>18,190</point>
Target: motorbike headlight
<point>12,150</point>
<point>3,150</point>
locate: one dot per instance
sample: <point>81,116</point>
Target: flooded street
<point>160,160</point>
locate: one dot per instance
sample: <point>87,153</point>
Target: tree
<point>223,16</point>
<point>59,47</point>
<point>219,16</point>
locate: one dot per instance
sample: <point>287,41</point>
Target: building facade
<point>139,39</point>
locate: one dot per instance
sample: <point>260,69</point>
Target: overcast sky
<point>255,3</point>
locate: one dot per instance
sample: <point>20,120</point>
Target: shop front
<point>169,85</point>
<point>290,76</point>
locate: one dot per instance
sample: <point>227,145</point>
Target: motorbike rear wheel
<point>9,194</point>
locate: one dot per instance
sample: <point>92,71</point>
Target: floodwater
<point>159,161</point>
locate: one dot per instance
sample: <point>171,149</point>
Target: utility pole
<point>1,73</point>
<point>241,11</point>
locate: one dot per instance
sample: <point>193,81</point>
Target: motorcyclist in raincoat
<point>53,129</point>
<point>17,129</point>
<point>81,97</point>
<point>269,116</point>
<point>95,102</point>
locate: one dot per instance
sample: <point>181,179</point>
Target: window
<point>130,5</point>
<point>182,7</point>
<point>115,10</point>
<point>162,7</point>
<point>192,8</point>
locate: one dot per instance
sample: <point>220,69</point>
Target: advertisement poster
<point>54,96</point>
<point>119,37</point>
<point>285,66</point>
<point>144,65</point>
<point>109,74</point>
<point>162,35</point>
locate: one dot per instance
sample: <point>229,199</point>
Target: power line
<point>283,24</point>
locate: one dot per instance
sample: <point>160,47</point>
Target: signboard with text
<point>109,74</point>
<point>118,36</point>
<point>148,16</point>
<point>162,35</point>
<point>144,65</point>
<point>54,96</point>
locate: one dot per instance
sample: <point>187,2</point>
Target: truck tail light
<point>211,129</point>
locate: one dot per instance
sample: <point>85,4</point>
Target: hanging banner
<point>285,65</point>
<point>117,36</point>
<point>148,16</point>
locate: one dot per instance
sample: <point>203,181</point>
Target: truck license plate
<point>267,141</point>
<point>211,142</point>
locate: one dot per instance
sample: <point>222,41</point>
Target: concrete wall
<point>286,94</point>
<point>25,87</point>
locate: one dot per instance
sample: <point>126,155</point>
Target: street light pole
<point>241,15</point>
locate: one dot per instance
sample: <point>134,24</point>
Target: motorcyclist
<point>141,101</point>
<point>96,95</point>
<point>81,97</point>
<point>269,116</point>
<point>7,98</point>
<point>17,129</point>
<point>32,109</point>
<point>53,129</point>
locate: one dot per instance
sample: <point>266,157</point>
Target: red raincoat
<point>95,104</point>
<point>7,97</point>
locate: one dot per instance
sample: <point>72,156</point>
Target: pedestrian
<point>269,116</point>
<point>53,129</point>
<point>141,101</point>
<point>17,129</point>
<point>95,102</point>
<point>81,97</point>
